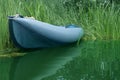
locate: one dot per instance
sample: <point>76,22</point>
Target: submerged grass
<point>100,23</point>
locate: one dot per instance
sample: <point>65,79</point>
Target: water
<point>5,65</point>
<point>92,60</point>
<point>97,61</point>
<point>42,63</point>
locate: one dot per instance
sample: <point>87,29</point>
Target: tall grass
<point>102,23</point>
<point>99,22</point>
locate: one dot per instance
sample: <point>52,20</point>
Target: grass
<point>99,23</point>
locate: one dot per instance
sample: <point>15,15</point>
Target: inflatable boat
<point>30,33</point>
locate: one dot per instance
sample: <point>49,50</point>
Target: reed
<point>102,23</point>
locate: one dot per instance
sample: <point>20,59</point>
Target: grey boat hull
<point>30,33</point>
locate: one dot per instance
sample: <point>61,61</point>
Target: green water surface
<point>92,60</point>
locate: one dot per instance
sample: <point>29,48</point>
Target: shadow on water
<point>41,63</point>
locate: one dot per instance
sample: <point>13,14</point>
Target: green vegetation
<point>99,22</point>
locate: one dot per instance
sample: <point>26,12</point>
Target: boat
<point>29,33</point>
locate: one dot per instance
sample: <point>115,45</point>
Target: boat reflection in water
<point>39,64</point>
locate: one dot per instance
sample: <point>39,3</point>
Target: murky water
<point>99,60</point>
